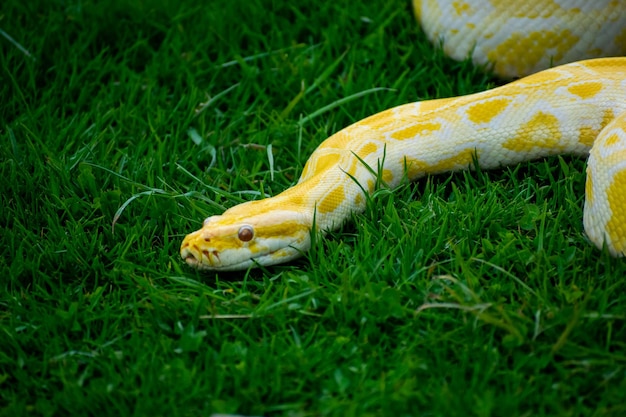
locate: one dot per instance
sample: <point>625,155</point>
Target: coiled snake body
<point>577,108</point>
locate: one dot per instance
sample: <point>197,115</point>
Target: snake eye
<point>206,221</point>
<point>246,233</point>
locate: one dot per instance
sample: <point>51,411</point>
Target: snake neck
<point>323,202</point>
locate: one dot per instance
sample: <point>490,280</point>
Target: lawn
<point>125,123</point>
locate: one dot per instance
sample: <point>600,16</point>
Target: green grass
<point>467,294</point>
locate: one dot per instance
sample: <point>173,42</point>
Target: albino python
<point>577,108</point>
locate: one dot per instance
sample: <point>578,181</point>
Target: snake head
<point>237,240</point>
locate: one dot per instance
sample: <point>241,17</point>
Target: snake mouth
<point>191,260</point>
<point>205,260</point>
<point>194,257</point>
<point>189,257</point>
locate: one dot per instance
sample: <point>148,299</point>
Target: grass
<point>466,294</point>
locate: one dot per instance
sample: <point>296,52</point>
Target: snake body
<point>577,108</point>
<point>521,37</point>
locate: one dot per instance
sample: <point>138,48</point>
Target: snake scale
<point>576,108</point>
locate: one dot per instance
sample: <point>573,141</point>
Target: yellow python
<point>578,108</point>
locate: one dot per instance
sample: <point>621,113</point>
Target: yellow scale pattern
<point>522,37</point>
<point>568,109</point>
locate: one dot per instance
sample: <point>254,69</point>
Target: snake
<point>568,96</point>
